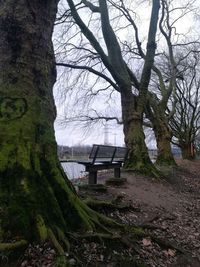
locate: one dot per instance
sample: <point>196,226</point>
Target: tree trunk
<point>138,158</point>
<point>155,112</point>
<point>163,139</point>
<point>37,202</point>
<point>187,150</point>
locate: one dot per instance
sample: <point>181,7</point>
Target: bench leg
<point>93,177</point>
<point>117,172</point>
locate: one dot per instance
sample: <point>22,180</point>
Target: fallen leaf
<point>146,242</point>
<point>171,252</point>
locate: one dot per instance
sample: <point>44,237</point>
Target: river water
<point>74,170</point>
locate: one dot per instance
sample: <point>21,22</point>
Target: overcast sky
<point>72,135</point>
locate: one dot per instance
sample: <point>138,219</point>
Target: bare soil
<point>167,212</point>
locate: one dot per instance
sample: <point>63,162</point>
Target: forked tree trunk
<point>37,202</point>
<point>138,158</point>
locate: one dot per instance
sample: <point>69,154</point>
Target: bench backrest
<point>107,153</point>
<point>120,154</point>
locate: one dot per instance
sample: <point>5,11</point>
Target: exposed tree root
<point>55,243</point>
<point>149,226</point>
<point>167,244</point>
<point>116,181</point>
<point>99,205</point>
<point>97,236</point>
<point>13,246</point>
<point>127,237</point>
<point>93,187</point>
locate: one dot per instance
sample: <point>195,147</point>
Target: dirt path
<point>148,192</point>
<point>168,210</point>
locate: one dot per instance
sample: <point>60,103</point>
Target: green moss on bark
<point>138,158</point>
<point>140,163</point>
<point>163,160</point>
<point>13,246</point>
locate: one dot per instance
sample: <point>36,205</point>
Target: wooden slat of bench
<point>102,153</point>
<point>85,162</point>
<point>120,154</point>
<point>102,166</point>
<point>97,161</point>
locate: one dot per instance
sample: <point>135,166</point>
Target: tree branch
<point>114,51</point>
<point>90,70</point>
<point>85,118</point>
<point>93,8</point>
<point>128,16</point>
<point>150,54</point>
<point>91,38</point>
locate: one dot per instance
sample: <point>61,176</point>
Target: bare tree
<point>132,52</point>
<point>109,56</point>
<point>185,123</point>
<point>169,70</point>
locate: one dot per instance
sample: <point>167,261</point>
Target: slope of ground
<point>168,211</point>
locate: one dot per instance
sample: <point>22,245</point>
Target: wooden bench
<point>104,157</point>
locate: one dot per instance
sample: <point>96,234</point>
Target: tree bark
<point>187,150</point>
<point>138,158</point>
<point>133,108</point>
<point>155,112</point>
<point>37,202</point>
<point>163,139</point>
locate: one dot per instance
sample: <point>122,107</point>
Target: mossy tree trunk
<point>163,140</point>
<point>138,158</point>
<point>37,202</point>
<point>155,112</point>
<point>133,108</point>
